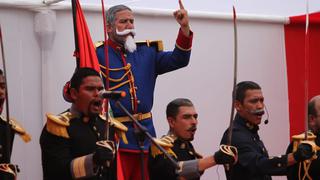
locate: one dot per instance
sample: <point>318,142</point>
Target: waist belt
<point>138,117</point>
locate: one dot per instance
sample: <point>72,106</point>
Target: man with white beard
<point>133,68</point>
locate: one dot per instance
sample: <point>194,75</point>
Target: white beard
<point>130,44</point>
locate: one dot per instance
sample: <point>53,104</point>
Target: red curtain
<point>295,55</point>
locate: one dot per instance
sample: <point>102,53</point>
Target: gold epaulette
<point>18,129</point>
<point>98,44</point>
<point>166,142</point>
<point>157,43</point>
<point>119,128</point>
<point>57,125</point>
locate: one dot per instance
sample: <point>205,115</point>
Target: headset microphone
<point>266,121</point>
<point>260,112</point>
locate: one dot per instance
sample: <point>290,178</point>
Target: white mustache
<point>258,112</point>
<point>126,32</point>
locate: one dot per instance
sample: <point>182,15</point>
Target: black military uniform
<point>160,168</point>
<point>4,148</point>
<point>254,162</point>
<point>67,145</point>
<point>314,170</point>
<point>9,171</point>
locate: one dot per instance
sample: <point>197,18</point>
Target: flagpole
<point>76,45</point>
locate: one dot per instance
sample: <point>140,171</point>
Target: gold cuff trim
<point>78,169</point>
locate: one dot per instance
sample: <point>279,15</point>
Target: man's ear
<point>237,105</point>
<point>109,28</point>
<point>73,93</point>
<point>171,121</point>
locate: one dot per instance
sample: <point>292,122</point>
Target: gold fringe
<point>155,151</point>
<point>17,127</point>
<point>166,142</point>
<point>123,136</point>
<point>57,125</point>
<point>25,137</point>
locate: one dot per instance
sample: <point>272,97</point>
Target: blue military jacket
<point>254,162</point>
<point>146,63</point>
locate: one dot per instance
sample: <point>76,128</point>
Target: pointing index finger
<point>180,4</point>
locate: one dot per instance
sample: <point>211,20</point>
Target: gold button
<point>279,164</point>
<point>183,146</point>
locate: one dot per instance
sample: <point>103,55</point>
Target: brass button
<point>183,146</point>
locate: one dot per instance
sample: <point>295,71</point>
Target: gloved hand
<point>226,155</point>
<point>304,152</point>
<point>104,152</point>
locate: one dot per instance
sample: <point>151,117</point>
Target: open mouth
<point>192,129</point>
<point>96,105</point>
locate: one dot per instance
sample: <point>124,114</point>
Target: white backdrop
<point>36,77</point>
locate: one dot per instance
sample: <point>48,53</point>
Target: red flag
<point>87,52</point>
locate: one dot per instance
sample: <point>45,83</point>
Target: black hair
<point>80,74</point>
<point>242,87</point>
<point>173,106</point>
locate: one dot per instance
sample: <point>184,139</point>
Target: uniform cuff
<point>184,42</point>
<point>189,169</point>
<point>82,167</point>
<point>279,162</point>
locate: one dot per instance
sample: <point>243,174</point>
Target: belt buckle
<point>140,116</point>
